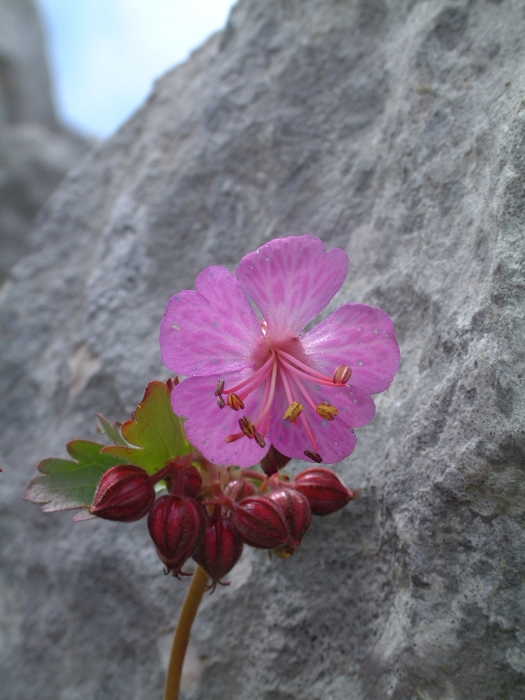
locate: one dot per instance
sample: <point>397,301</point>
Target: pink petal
<point>361,337</point>
<point>334,439</point>
<point>356,407</point>
<point>291,280</point>
<point>212,330</point>
<point>207,425</point>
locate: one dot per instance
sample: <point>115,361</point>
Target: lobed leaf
<point>112,430</point>
<point>155,434</point>
<point>66,484</point>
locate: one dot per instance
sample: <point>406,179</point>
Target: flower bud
<point>273,461</point>
<point>220,548</point>
<point>176,526</point>
<point>296,511</point>
<point>181,477</point>
<point>124,493</point>
<point>260,523</point>
<point>325,492</point>
<point>192,483</point>
<point>238,489</point>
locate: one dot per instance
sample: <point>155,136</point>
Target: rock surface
<point>395,130</point>
<point>35,150</point>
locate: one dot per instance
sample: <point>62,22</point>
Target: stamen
<point>309,432</point>
<point>260,418</point>
<point>234,437</point>
<point>308,372</point>
<point>304,392</point>
<point>341,374</point>
<point>314,456</point>
<point>271,393</point>
<point>303,375</point>
<point>265,424</point>
<point>235,402</point>
<point>220,401</point>
<point>293,411</point>
<point>254,384</point>
<point>287,388</point>
<point>220,387</point>
<point>259,440</point>
<point>325,410</point>
<point>247,427</point>
<point>253,378</point>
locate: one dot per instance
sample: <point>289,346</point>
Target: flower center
<point>276,364</point>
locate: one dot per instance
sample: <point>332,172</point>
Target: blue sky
<point>105,54</point>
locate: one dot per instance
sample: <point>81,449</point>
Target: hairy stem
<point>182,633</point>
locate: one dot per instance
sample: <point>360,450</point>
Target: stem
<point>182,633</point>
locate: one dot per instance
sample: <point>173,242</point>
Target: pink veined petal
<point>361,337</point>
<point>207,425</point>
<point>291,280</point>
<point>335,440</point>
<point>356,407</point>
<point>212,330</point>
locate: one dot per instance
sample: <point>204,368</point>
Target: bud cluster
<point>209,513</point>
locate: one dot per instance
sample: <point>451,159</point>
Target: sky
<point>105,54</point>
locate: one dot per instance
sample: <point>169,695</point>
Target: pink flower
<point>252,383</point>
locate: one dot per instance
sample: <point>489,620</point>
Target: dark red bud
<point>296,511</point>
<point>176,526</point>
<point>181,477</point>
<point>273,461</point>
<point>260,523</point>
<point>192,483</point>
<point>325,491</point>
<point>238,489</point>
<point>220,548</point>
<point>124,493</point>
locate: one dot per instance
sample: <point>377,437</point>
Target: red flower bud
<point>176,526</point>
<point>260,523</point>
<point>181,477</point>
<point>296,511</point>
<point>273,461</point>
<point>124,493</point>
<point>238,489</point>
<point>325,492</point>
<point>192,483</point>
<point>220,548</point>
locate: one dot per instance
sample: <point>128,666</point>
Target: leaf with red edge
<point>155,433</point>
<point>66,484</point>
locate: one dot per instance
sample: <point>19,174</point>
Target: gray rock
<point>25,86</point>
<point>395,130</point>
<point>35,150</point>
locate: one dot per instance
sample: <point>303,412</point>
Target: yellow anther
<point>341,374</point>
<point>326,411</point>
<point>314,456</point>
<point>235,402</point>
<point>247,427</point>
<point>293,411</point>
<point>282,552</point>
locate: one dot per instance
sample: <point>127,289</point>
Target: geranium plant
<point>204,458</point>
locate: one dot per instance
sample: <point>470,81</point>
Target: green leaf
<point>67,484</point>
<point>112,430</point>
<point>156,432</point>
